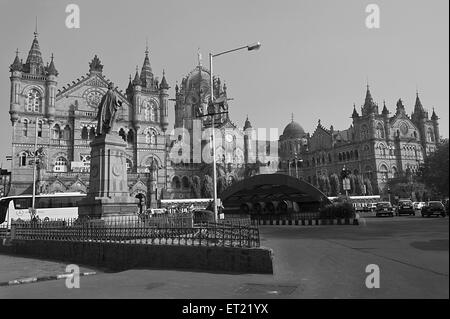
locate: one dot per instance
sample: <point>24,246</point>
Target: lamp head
<point>254,46</point>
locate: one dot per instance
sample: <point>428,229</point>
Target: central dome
<point>293,130</point>
<point>198,75</point>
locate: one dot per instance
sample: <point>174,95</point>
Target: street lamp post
<point>213,113</point>
<point>34,166</point>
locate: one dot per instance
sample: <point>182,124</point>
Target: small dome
<point>293,130</point>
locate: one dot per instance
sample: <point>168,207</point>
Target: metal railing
<point>136,231</point>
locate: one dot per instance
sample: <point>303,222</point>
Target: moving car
<point>384,208</point>
<point>405,207</point>
<point>433,208</point>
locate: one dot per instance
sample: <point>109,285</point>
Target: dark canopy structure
<point>273,188</point>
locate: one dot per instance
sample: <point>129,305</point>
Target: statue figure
<point>107,110</point>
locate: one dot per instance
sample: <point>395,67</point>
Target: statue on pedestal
<point>107,111</point>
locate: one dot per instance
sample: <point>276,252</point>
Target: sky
<point>316,58</point>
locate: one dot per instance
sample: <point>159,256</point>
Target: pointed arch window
<point>364,132</point>
<point>380,131</point>
<point>22,159</point>
<point>430,135</point>
<point>122,134</point>
<point>84,133</point>
<point>92,133</point>
<point>25,127</point>
<point>34,101</point>
<point>67,133</point>
<point>39,129</point>
<point>130,137</point>
<point>56,132</point>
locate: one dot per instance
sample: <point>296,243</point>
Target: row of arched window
<point>178,183</point>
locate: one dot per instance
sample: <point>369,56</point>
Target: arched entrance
<point>273,194</point>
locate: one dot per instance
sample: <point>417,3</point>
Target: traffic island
<point>123,256</point>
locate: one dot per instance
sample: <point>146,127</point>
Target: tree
<point>369,189</point>
<point>335,184</point>
<point>434,171</point>
<point>359,185</point>
<point>196,187</point>
<point>207,187</point>
<point>352,178</point>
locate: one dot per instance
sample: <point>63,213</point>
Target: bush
<point>338,210</point>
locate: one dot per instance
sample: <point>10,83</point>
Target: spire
<point>355,113</point>
<point>434,116</point>
<point>146,71</point>
<point>34,63</point>
<point>385,110</point>
<point>17,65</point>
<point>418,105</point>
<point>369,100</point>
<point>247,124</point>
<point>292,117</point>
<point>51,70</point>
<point>137,80</point>
<point>164,84</point>
<point>400,107</point>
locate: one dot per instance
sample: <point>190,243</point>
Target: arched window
<point>22,159</point>
<point>92,133</point>
<point>122,134</point>
<point>149,111</point>
<point>34,101</point>
<point>130,137</point>
<point>329,158</point>
<point>394,171</point>
<point>340,157</point>
<point>356,154</point>
<point>66,134</point>
<point>384,173</point>
<point>56,132</point>
<point>380,131</point>
<point>185,182</point>
<point>129,165</point>
<point>364,132</point>
<point>84,133</point>
<point>430,135</point>
<point>25,127</point>
<point>176,182</point>
<point>60,164</point>
<point>368,172</point>
<point>39,129</point>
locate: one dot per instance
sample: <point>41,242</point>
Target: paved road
<point>309,262</point>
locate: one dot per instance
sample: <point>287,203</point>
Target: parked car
<point>405,207</point>
<point>384,208</point>
<point>433,208</point>
<point>418,205</point>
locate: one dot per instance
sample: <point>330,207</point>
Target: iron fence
<point>136,231</point>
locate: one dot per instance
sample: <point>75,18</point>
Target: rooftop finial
<point>146,45</point>
<point>17,52</point>
<point>292,117</point>
<point>36,28</point>
<point>199,56</point>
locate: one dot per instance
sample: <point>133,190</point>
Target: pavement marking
<point>43,278</point>
<point>389,258</point>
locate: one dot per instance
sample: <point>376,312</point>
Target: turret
<point>164,104</point>
<point>136,100</point>
<point>369,106</point>
<point>51,84</point>
<point>16,76</point>
<point>434,120</point>
<point>34,64</point>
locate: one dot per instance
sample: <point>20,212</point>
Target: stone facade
<point>375,148</point>
<point>64,121</point>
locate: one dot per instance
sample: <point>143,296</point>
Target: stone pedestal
<point>108,194</point>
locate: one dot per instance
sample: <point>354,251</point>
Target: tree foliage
<point>434,171</point>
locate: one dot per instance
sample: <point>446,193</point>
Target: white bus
<point>362,203</point>
<point>48,206</point>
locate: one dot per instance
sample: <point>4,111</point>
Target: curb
<point>44,278</point>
